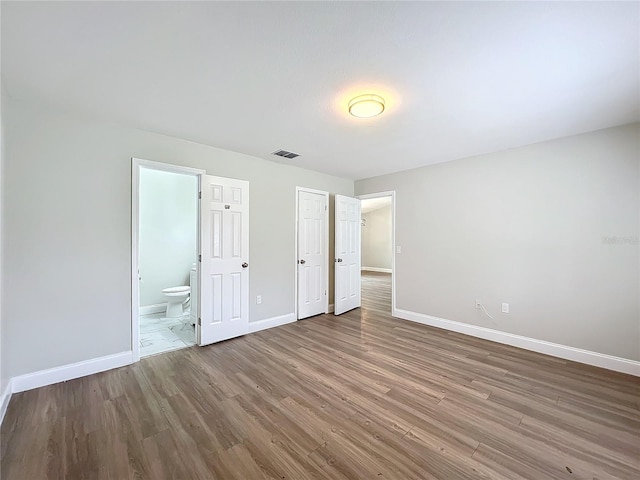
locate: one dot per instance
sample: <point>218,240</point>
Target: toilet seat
<point>176,291</point>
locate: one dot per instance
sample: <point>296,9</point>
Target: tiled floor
<point>159,334</point>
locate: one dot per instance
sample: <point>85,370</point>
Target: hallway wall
<point>377,239</point>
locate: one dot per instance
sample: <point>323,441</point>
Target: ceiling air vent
<point>285,154</point>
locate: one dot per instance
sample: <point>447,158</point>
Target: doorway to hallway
<point>378,251</point>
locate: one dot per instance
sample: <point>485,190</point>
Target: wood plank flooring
<point>361,396</point>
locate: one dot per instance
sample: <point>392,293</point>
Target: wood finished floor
<point>362,396</point>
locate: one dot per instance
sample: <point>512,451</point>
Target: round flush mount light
<point>366,106</point>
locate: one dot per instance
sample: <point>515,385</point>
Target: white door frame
<point>136,164</point>
<point>392,194</point>
<point>326,248</point>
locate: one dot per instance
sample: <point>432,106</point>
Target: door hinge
<point>199,322</point>
<point>200,258</point>
<point>200,195</point>
<point>325,207</point>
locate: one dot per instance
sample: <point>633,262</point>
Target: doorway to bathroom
<point>167,255</point>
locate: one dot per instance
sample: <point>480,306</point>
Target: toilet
<point>176,296</point>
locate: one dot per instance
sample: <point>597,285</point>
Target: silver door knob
<point>245,265</point>
<point>338,260</point>
<point>303,262</point>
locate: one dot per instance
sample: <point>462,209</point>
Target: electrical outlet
<point>398,249</point>
<point>505,308</point>
<point>259,299</point>
<point>477,304</point>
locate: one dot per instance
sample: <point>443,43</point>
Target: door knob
<point>245,265</point>
<point>303,262</point>
<point>338,260</point>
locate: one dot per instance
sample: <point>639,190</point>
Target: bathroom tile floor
<point>159,334</point>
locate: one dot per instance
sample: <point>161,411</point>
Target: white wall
<point>551,228</point>
<point>68,231</point>
<point>168,230</point>
<point>377,236</point>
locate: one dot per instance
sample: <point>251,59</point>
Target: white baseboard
<point>271,322</point>
<point>330,310</point>
<point>376,269</point>
<point>4,400</point>
<point>602,360</point>
<point>64,373</point>
<point>150,309</point>
<point>69,372</point>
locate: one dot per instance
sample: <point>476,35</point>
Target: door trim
<point>326,248</point>
<point>136,164</point>
<point>392,194</point>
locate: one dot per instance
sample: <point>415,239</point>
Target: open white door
<point>347,261</point>
<point>312,253</point>
<point>224,261</point>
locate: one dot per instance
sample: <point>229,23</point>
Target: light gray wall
<point>377,239</point>
<point>68,231</point>
<point>4,374</point>
<point>551,228</point>
<point>168,231</point>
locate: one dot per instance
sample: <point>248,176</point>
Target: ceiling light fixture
<point>366,106</point>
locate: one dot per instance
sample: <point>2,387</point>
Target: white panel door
<point>312,254</point>
<point>347,261</point>
<point>224,267</point>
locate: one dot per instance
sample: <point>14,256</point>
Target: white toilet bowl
<point>175,298</point>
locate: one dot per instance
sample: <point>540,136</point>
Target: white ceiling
<point>370,204</point>
<point>460,78</point>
